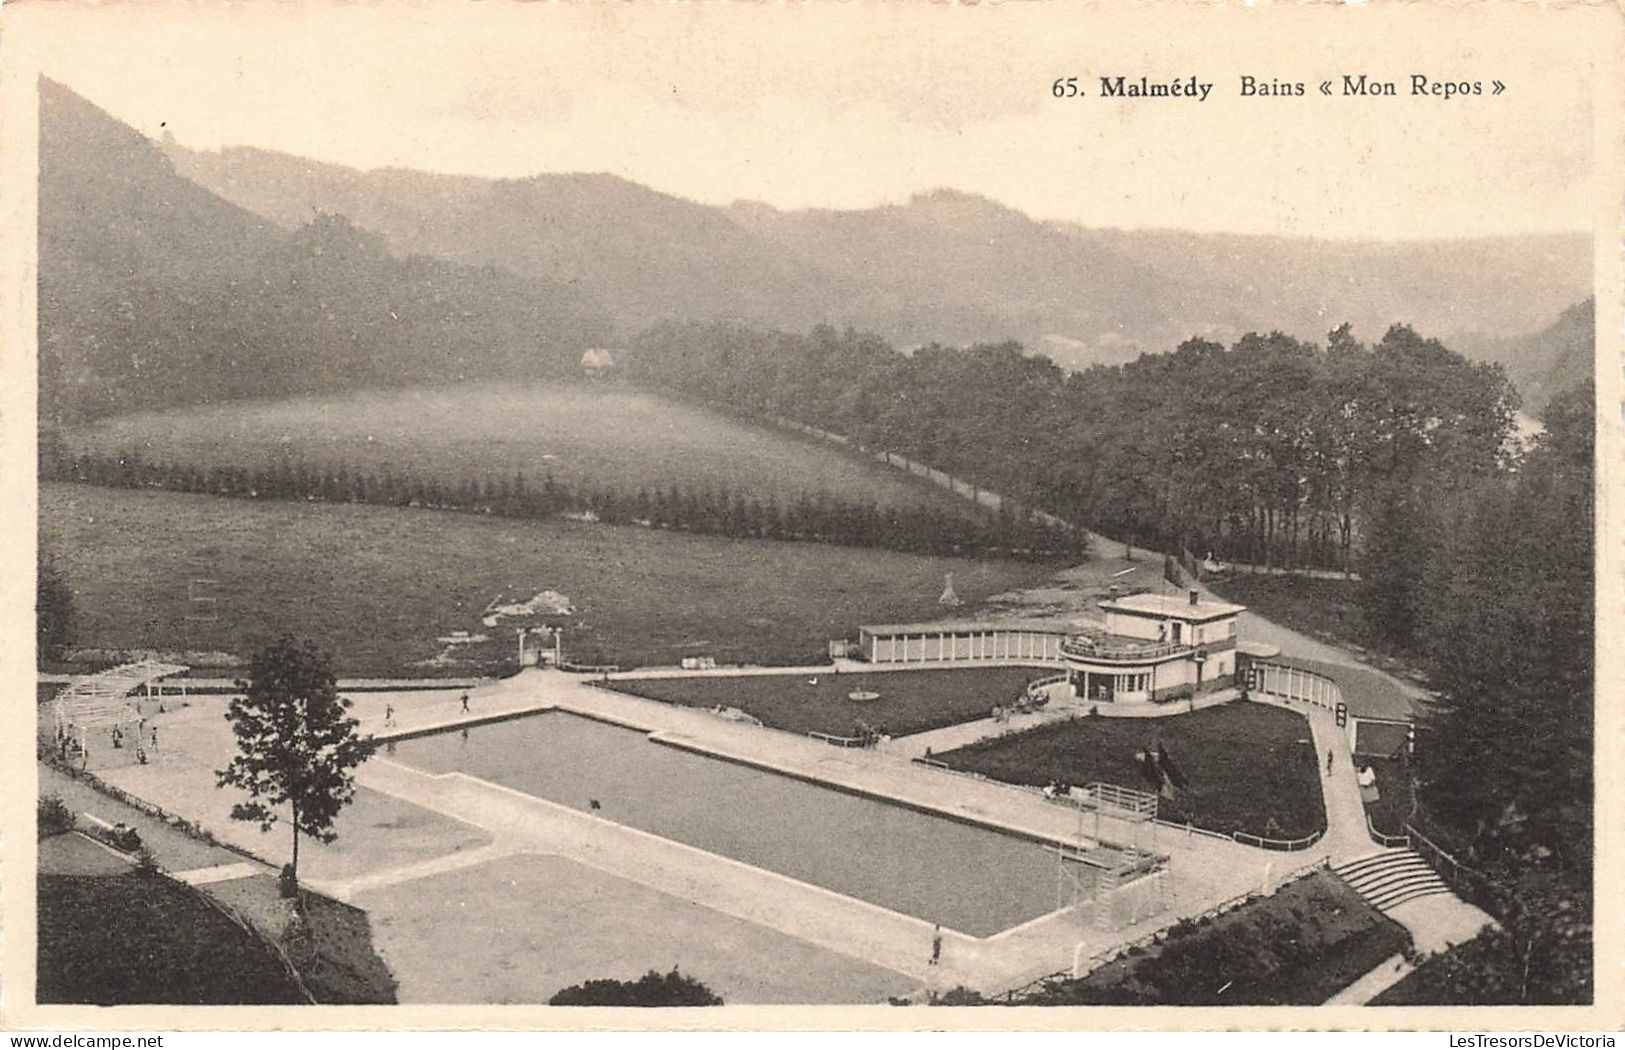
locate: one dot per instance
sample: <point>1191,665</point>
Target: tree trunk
<point>295,823</point>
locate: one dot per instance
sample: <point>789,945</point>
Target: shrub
<point>652,989</point>
<point>52,816</point>
<point>959,995</point>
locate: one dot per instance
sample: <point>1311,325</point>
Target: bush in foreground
<point>652,989</point>
<point>52,816</point>
<point>143,938</point>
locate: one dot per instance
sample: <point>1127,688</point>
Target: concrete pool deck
<point>1207,870</point>
<point>410,827</point>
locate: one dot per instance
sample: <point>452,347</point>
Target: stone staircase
<point>1391,877</point>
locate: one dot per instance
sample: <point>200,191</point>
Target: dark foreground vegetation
<point>1298,947</point>
<point>141,937</point>
<point>1486,585</point>
<point>652,989</point>
<point>1490,586</point>
<point>1248,767</point>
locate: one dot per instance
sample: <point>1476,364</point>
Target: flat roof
<point>1173,607</point>
<point>957,626</point>
<point>1380,739</point>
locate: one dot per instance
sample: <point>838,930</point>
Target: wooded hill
<point>1271,450</point>
<point>154,291</point>
<point>944,266</point>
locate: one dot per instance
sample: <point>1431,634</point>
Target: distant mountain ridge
<point>155,291</point>
<point>946,266</point>
<point>1543,364</point>
<point>170,275</point>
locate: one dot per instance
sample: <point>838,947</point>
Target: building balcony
<point>1105,649</point>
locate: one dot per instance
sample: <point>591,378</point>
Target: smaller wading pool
<point>971,879</point>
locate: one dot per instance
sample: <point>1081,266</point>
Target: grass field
<point>910,701</point>
<point>140,937</point>
<point>378,585</point>
<point>1299,947</point>
<point>598,435</point>
<point>1251,767</point>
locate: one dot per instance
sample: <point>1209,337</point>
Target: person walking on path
<point>936,945</point>
<point>465,703</point>
<point>389,714</point>
<point>1328,761</point>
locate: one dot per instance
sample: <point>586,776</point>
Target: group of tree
<point>1490,585</point>
<point>1272,450</point>
<point>924,528</point>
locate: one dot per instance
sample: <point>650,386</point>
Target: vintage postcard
<point>852,516</point>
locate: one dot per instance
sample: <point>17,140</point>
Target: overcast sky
<point>852,106</point>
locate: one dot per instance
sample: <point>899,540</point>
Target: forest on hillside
<point>155,292</point>
<point>1272,451</point>
<point>1399,458</point>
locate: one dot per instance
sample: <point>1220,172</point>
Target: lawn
<point>1299,947</point>
<point>1250,767</point>
<point>140,937</point>
<point>579,434</point>
<point>377,586</point>
<point>910,701</point>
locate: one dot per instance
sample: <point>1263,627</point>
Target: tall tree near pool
<point>297,745</point>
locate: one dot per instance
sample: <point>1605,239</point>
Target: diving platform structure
<point>1112,879</point>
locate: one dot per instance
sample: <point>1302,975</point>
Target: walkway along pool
<point>971,879</point>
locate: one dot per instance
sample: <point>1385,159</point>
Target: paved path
<point>221,684</point>
<point>1439,921</point>
<point>950,738</point>
<point>1381,977</point>
<point>221,873</point>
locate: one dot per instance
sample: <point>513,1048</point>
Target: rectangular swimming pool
<point>971,879</point>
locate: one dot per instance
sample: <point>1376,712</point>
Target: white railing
<point>1381,839</point>
<point>1296,683</point>
<point>1088,648</point>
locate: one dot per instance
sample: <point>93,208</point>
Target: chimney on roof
<point>1195,596</point>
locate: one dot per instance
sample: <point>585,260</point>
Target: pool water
<point>968,878</point>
